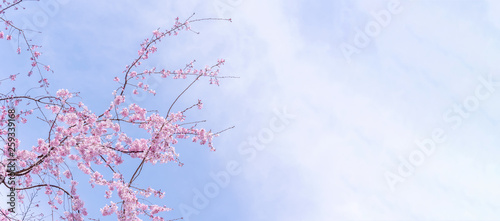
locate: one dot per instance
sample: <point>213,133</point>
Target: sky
<point>343,110</point>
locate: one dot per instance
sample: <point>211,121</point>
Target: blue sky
<point>356,117</point>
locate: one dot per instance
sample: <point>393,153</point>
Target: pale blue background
<point>353,118</point>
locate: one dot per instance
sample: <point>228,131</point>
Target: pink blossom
<point>67,174</point>
<point>124,112</point>
<point>55,109</point>
<point>200,105</point>
<point>117,176</point>
<point>63,93</point>
<point>157,33</point>
<point>48,190</point>
<point>118,100</point>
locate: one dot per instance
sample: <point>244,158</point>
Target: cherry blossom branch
<point>177,98</point>
<point>34,55</point>
<point>139,168</point>
<point>36,186</point>
<point>141,56</point>
<point>40,161</point>
<point>229,128</point>
<point>10,6</point>
<point>100,138</point>
<point>44,185</point>
<point>30,98</point>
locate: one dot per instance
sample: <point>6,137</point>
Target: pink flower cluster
<point>99,144</point>
<point>14,30</point>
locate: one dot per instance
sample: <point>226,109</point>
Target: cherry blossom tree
<point>98,142</point>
